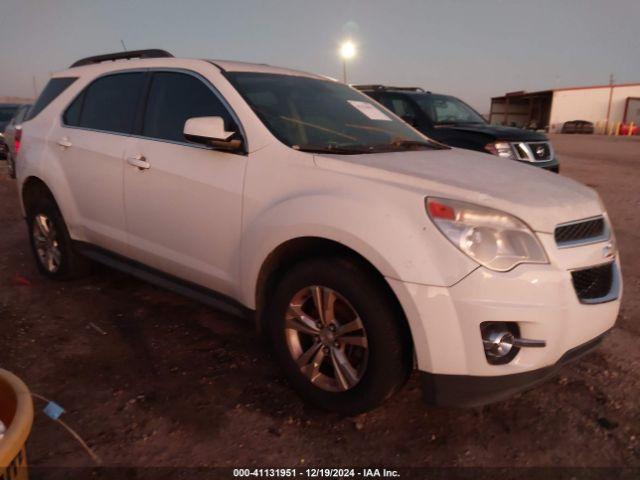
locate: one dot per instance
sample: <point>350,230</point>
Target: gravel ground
<point>149,378</point>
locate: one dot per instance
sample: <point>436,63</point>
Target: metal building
<point>551,108</point>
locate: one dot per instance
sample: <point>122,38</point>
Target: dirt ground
<point>164,381</point>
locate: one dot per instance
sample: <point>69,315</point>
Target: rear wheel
<point>339,336</point>
<point>51,244</point>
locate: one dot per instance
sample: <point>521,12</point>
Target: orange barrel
<point>16,413</point>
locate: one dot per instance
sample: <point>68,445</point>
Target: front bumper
<point>445,321</point>
<point>474,391</point>
<point>551,165</point>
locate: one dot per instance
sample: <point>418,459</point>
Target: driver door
<point>183,200</point>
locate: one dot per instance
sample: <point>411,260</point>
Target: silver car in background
<point>13,135</point>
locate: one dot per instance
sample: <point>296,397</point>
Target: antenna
<point>123,45</point>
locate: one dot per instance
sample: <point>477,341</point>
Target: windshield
<point>323,116</point>
<point>446,110</point>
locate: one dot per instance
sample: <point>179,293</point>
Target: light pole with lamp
<point>347,51</point>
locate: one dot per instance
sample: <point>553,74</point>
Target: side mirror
<point>210,131</point>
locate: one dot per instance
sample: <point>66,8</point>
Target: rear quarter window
<point>51,91</point>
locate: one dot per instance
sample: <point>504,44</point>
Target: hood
<point>542,199</point>
<point>498,132</point>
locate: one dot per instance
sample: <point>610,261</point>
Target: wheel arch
<point>32,189</point>
<point>296,250</point>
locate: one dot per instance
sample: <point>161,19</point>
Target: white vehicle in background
<point>13,135</point>
<point>363,248</point>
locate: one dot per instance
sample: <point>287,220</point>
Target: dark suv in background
<point>7,111</point>
<point>452,122</point>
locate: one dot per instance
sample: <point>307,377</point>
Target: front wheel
<point>339,335</point>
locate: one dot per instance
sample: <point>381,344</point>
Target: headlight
<point>501,149</point>
<point>495,239</point>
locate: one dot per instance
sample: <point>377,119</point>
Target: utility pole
<point>606,126</point>
<point>35,87</point>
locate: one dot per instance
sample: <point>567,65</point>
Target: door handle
<point>64,142</point>
<point>139,162</point>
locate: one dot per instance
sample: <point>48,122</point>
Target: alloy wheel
<point>45,240</point>
<point>326,338</point>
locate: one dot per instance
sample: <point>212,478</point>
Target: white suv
<point>362,247</point>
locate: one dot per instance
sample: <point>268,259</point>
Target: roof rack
<point>150,53</point>
<point>384,87</point>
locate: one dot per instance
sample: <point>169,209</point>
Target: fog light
<point>498,344</point>
<point>502,342</point>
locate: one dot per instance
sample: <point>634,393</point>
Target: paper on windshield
<point>369,110</point>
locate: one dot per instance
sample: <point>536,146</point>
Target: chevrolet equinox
<point>363,248</point>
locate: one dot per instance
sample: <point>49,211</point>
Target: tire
<point>66,263</point>
<point>379,354</point>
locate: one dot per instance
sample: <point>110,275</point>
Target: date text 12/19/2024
<point>315,473</point>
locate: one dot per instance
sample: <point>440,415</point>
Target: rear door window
<point>404,108</point>
<point>400,106</point>
<point>109,104</point>
<point>174,98</point>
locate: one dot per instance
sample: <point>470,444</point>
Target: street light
<point>347,52</point>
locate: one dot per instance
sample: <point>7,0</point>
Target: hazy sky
<point>471,49</point>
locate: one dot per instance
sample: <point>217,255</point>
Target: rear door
<point>183,207</point>
<point>91,144</point>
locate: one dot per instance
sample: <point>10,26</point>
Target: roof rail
<point>369,87</point>
<point>408,89</point>
<point>151,53</point>
<point>384,87</point>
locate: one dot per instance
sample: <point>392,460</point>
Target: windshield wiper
<point>449,124</point>
<point>412,143</point>
<point>356,149</point>
<point>405,145</point>
<point>337,149</point>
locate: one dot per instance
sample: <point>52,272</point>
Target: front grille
<point>540,151</point>
<point>533,151</point>
<point>582,231</point>
<point>593,283</point>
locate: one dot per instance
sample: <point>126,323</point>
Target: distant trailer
<point>632,111</point>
